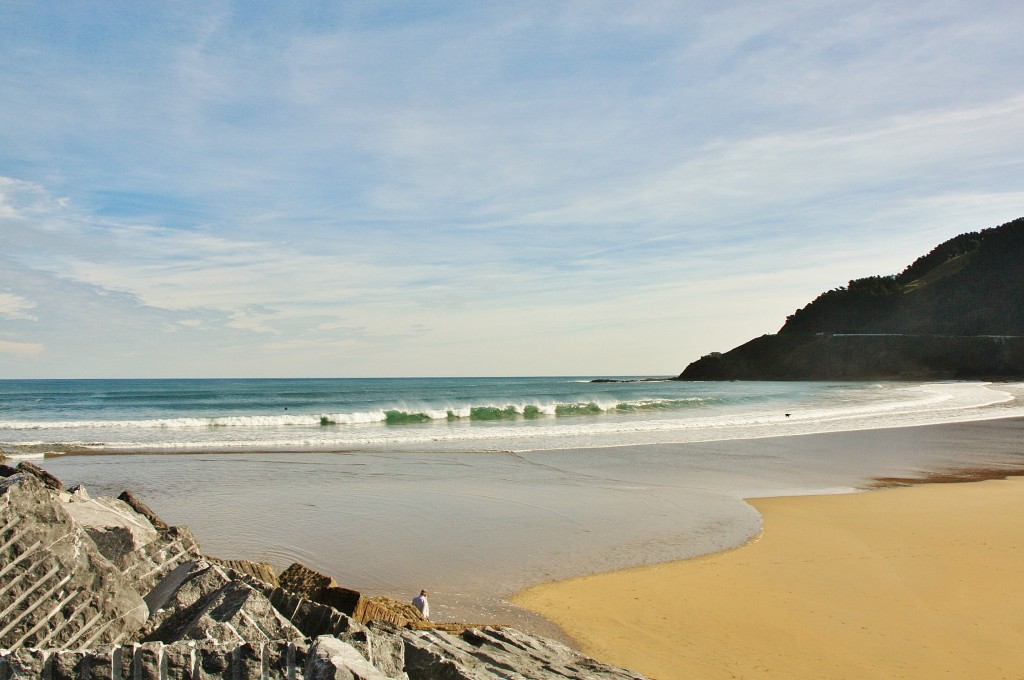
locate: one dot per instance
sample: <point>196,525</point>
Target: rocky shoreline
<point>102,588</point>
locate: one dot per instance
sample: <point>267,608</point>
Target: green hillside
<point>972,284</point>
<point>957,312</point>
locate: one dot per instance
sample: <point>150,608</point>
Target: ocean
<point>476,487</point>
<point>54,417</point>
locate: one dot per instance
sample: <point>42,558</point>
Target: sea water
<point>455,414</point>
<point>475,487</point>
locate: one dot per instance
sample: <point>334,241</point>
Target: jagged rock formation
<point>957,312</point>
<point>316,587</point>
<point>258,570</point>
<point>56,588</point>
<point>102,589</point>
<point>489,652</point>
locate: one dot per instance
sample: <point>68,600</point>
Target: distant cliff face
<point>864,357</point>
<point>957,312</point>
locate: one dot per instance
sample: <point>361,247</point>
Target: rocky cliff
<point>101,588</point>
<point>956,312</point>
<point>864,357</point>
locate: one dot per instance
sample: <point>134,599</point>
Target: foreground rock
<point>102,588</point>
<point>493,652</point>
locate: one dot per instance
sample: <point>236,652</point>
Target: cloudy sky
<point>477,188</point>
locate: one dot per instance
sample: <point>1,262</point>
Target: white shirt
<point>421,603</point>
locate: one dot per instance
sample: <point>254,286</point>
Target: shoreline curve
<point>915,581</point>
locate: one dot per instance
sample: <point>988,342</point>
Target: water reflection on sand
<point>474,527</point>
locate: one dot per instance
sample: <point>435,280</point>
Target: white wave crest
<point>455,427</point>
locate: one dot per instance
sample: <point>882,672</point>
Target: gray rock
<point>65,665</point>
<point>79,492</point>
<point>125,533</point>
<point>247,660</point>
<point>179,661</point>
<point>128,538</point>
<point>301,580</point>
<point>138,506</point>
<point>23,663</point>
<point>163,591</point>
<point>115,528</point>
<point>285,660</point>
<point>41,474</point>
<point>311,618</point>
<point>499,653</point>
<point>258,570</point>
<point>332,659</point>
<point>74,570</point>
<point>210,605</point>
<point>199,581</point>
<point>385,649</point>
<point>56,589</point>
<point>425,659</point>
<point>147,565</point>
<point>147,662</point>
<point>100,662</point>
<point>213,662</point>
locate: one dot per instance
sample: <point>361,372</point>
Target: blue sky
<point>464,188</point>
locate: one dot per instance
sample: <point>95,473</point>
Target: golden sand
<point>919,582</point>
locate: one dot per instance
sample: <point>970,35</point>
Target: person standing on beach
<point>421,603</point>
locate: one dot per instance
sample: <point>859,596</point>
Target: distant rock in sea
<point>628,380</point>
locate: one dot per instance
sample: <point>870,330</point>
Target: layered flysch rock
<point>103,589</point>
<point>56,587</point>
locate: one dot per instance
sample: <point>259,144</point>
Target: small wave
<point>662,404</point>
<point>403,417</point>
<point>579,409</point>
<point>390,416</point>
<point>26,455</point>
<point>906,405</point>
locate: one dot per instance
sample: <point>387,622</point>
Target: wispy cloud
<point>379,188</point>
<point>15,307</point>
<point>21,349</point>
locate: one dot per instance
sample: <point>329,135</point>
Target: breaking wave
<point>389,416</point>
<point>458,415</point>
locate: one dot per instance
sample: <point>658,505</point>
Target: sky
<point>431,188</point>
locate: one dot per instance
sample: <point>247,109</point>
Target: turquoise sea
<point>475,487</point>
<point>463,414</point>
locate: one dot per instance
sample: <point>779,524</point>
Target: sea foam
<point>586,416</point>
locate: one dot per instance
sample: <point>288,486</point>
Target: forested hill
<point>972,284</point>
<point>957,312</point>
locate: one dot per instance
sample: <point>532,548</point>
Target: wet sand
<point>916,582</point>
<point>475,527</point>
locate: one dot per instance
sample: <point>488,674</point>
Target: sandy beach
<point>915,582</point>
<point>393,523</point>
